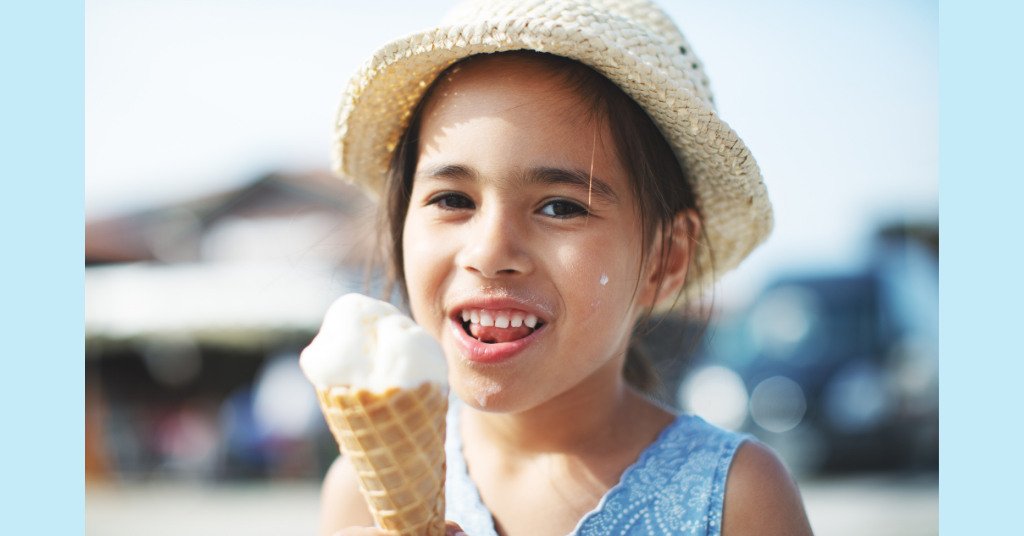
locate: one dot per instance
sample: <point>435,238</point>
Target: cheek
<point>599,278</point>
<point>422,263</point>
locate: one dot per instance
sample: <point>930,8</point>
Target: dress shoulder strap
<point>677,486</point>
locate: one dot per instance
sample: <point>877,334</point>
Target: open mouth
<point>492,326</point>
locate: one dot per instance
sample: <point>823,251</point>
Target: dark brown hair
<point>660,186</point>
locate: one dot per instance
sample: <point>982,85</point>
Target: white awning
<point>204,299</point>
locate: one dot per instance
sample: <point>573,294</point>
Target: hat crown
<point>639,26</point>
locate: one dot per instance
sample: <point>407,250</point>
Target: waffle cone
<point>395,441</point>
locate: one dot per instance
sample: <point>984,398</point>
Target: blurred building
<point>310,216</point>
<point>195,314</point>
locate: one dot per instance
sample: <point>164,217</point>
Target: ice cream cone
<point>395,441</point>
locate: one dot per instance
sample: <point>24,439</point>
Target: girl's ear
<point>671,264</point>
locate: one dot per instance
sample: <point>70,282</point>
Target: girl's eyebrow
<point>548,176</point>
<point>448,171</point>
<point>575,178</point>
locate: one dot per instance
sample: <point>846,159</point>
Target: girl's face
<point>505,226</point>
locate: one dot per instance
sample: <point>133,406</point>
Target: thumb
<point>452,528</point>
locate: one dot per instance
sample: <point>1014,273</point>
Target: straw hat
<point>632,42</point>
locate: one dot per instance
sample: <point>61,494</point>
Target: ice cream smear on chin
<point>369,344</point>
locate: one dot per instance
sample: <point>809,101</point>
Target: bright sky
<point>838,102</point>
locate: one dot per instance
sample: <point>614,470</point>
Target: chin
<point>491,394</point>
<point>481,392</point>
<point>496,392</point>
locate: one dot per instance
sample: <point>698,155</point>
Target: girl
<point>549,173</point>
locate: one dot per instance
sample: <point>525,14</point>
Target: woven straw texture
<point>632,42</point>
<point>395,441</point>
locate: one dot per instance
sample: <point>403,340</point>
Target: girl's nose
<point>495,247</point>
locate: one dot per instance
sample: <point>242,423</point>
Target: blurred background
<point>215,239</point>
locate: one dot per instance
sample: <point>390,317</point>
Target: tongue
<point>490,334</point>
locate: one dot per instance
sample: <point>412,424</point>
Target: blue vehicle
<point>834,372</point>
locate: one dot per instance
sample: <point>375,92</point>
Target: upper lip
<point>526,305</point>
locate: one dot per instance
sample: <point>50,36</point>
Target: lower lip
<point>481,352</point>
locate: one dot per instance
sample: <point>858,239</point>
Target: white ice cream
<point>369,344</point>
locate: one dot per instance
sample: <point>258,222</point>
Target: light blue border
<point>982,267</point>
<point>41,50</point>
<point>42,168</point>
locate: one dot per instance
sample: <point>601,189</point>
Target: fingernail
<point>460,533</point>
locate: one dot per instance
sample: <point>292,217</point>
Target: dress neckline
<point>455,422</point>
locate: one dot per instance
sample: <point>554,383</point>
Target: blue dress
<point>675,487</point>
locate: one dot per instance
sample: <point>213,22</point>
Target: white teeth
<point>502,319</point>
<point>486,319</point>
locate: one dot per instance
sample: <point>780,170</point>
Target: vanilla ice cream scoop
<point>369,344</point>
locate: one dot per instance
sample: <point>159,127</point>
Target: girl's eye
<point>560,208</point>
<point>452,201</point>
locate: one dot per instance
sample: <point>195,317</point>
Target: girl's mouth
<point>492,326</point>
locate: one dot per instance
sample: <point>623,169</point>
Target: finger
<point>452,528</point>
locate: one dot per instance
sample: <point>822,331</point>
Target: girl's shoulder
<point>762,498</point>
